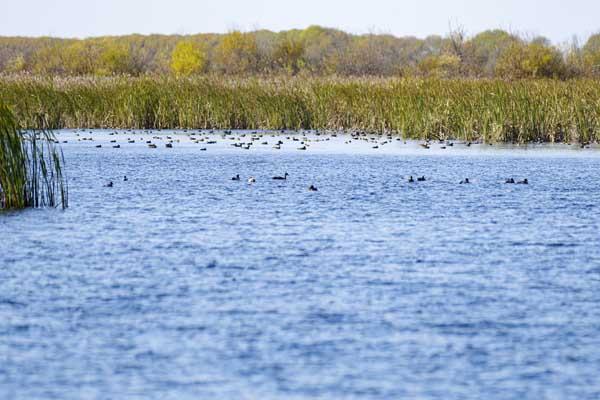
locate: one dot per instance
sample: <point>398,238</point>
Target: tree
<point>484,49</point>
<point>80,58</point>
<point>591,55</point>
<point>237,53</point>
<point>16,64</point>
<point>289,53</point>
<point>49,58</point>
<point>115,59</point>
<point>533,60</point>
<point>188,58</point>
<point>440,66</point>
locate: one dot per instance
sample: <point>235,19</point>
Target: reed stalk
<point>31,167</point>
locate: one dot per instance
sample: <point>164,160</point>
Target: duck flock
<point>277,140</point>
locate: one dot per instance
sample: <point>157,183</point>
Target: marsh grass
<point>31,167</point>
<point>488,110</point>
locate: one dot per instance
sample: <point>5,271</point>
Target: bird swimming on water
<point>312,188</point>
<point>281,178</point>
<point>109,184</point>
<point>465,181</point>
<point>410,179</point>
<point>421,179</point>
<point>523,182</point>
<point>236,178</point>
<point>251,179</point>
<point>510,180</point>
<point>125,178</point>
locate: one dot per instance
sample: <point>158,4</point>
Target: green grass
<point>489,110</point>
<point>31,172</point>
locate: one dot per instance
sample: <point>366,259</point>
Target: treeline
<point>314,51</point>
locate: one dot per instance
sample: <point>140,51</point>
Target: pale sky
<point>558,20</point>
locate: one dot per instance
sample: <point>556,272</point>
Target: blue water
<point>181,284</point>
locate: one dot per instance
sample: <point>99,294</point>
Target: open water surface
<point>182,284</point>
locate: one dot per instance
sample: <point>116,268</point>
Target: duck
<point>152,146</point>
<point>281,178</point>
<point>236,178</point>
<point>465,181</point>
<point>523,182</point>
<point>410,179</point>
<point>169,145</point>
<point>125,179</point>
<point>109,184</point>
<point>312,188</point>
<point>251,179</point>
<point>510,180</point>
<point>98,146</point>
<point>302,148</point>
<point>421,179</point>
<point>118,146</point>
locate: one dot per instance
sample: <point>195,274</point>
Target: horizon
<point>68,19</point>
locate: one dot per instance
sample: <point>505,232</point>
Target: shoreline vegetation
<point>31,167</point>
<point>489,110</point>
<point>314,51</point>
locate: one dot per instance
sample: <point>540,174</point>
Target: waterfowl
<point>424,145</point>
<point>302,148</point>
<point>251,180</point>
<point>421,179</point>
<point>411,180</point>
<point>118,146</point>
<point>465,181</point>
<point>152,146</point>
<point>510,180</point>
<point>98,146</point>
<point>236,178</point>
<point>169,145</point>
<point>523,182</point>
<point>281,178</point>
<point>312,188</point>
<point>109,184</point>
<point>125,178</point>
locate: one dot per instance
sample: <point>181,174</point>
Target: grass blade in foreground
<point>31,172</point>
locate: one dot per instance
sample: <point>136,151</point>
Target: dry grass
<point>490,110</point>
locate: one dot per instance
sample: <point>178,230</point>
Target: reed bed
<point>487,110</point>
<point>31,167</point>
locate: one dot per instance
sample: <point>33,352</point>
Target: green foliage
<point>237,53</point>
<point>313,51</point>
<point>115,59</point>
<point>490,110</point>
<point>591,55</point>
<point>289,54</point>
<point>187,59</point>
<point>30,167</point>
<point>440,66</point>
<point>16,65</point>
<point>533,60</point>
<point>483,50</point>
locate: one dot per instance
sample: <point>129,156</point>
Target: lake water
<point>182,284</point>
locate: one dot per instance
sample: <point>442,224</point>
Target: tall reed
<point>489,110</point>
<point>31,167</point>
